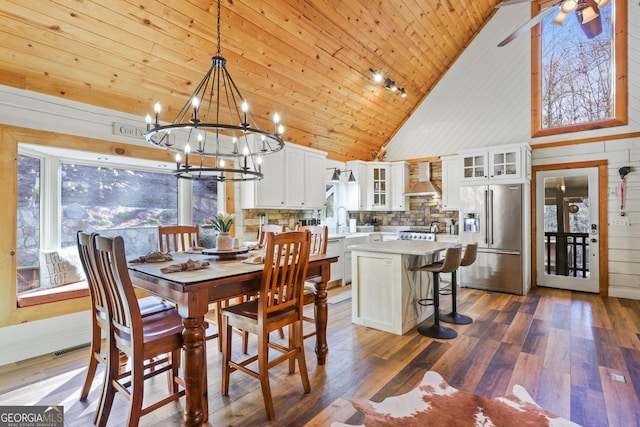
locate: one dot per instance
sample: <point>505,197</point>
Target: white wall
<point>485,100</point>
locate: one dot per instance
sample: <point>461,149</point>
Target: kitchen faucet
<point>346,214</point>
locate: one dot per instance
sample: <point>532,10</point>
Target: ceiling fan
<point>587,11</point>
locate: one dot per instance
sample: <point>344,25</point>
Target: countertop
<point>402,247</point>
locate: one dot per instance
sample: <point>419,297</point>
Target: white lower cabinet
<point>384,292</point>
<point>335,248</point>
<point>348,241</point>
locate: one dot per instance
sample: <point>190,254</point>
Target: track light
<point>389,84</point>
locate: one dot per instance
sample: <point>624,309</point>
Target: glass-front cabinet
<point>379,186</point>
<point>505,164</point>
<point>510,163</point>
<point>474,166</point>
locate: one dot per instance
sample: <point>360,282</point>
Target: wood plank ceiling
<point>307,60</point>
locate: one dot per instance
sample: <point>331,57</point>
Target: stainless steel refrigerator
<point>492,216</point>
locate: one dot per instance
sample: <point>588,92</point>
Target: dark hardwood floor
<point>562,346</point>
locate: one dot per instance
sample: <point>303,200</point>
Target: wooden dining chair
<point>99,310</point>
<point>279,304</point>
<point>156,338</point>
<point>178,238</point>
<point>319,238</point>
<point>264,229</point>
<point>269,228</point>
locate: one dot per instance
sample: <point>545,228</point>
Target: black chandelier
<point>216,123</point>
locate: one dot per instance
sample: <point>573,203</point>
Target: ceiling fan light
<point>559,19</point>
<point>569,6</point>
<point>589,14</point>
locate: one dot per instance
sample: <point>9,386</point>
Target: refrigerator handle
<point>486,217</point>
<point>490,219</point>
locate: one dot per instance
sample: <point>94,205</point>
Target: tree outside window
<point>579,83</point>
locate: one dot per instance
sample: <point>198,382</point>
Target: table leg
<point>195,372</point>
<point>321,315</point>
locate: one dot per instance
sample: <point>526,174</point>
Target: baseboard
<point>620,292</point>
<point>33,339</point>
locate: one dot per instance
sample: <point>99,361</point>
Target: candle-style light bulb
<point>187,150</point>
<point>200,138</point>
<point>178,158</point>
<point>280,130</point>
<point>259,162</point>
<point>245,108</point>
<point>195,103</point>
<point>235,145</point>
<point>157,108</point>
<point>148,120</point>
<point>245,153</point>
<point>222,163</point>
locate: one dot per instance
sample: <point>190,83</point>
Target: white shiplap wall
<point>485,100</point>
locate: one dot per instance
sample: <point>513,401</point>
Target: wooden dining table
<point>193,291</point>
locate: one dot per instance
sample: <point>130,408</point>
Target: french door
<point>567,229</point>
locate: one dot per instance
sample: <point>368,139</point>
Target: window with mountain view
<point>579,82</point>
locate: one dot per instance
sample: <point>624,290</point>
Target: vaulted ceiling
<point>308,60</point>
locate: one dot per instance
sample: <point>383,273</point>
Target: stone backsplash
<point>423,210</point>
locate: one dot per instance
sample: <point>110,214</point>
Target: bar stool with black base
<point>450,264</point>
<point>470,253</point>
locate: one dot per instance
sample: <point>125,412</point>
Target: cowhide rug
<point>436,403</point>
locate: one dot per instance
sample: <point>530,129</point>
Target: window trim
<point>621,77</point>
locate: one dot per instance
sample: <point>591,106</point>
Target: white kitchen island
<point>385,292</point>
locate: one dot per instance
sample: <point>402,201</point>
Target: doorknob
<point>594,240</point>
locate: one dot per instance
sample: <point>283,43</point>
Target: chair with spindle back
<point>99,310</point>
<point>157,337</point>
<point>279,304</point>
<point>319,239</point>
<point>178,238</point>
<point>269,228</point>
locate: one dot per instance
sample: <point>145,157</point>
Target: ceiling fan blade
<point>529,25</point>
<point>510,2</point>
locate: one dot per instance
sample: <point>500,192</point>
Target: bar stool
<point>470,254</point>
<point>450,264</point>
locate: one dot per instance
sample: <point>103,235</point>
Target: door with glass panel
<point>567,229</point>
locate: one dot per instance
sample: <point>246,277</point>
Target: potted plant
<point>222,224</point>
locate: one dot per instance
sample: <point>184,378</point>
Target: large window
<point>110,200</point>
<point>28,222</point>
<point>58,196</point>
<point>579,79</point>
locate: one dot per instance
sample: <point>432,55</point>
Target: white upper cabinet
<point>379,186</point>
<point>293,179</point>
<point>507,163</point>
<point>356,199</point>
<point>295,191</point>
<point>314,174</point>
<point>399,182</point>
<point>450,183</point>
<point>378,179</point>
